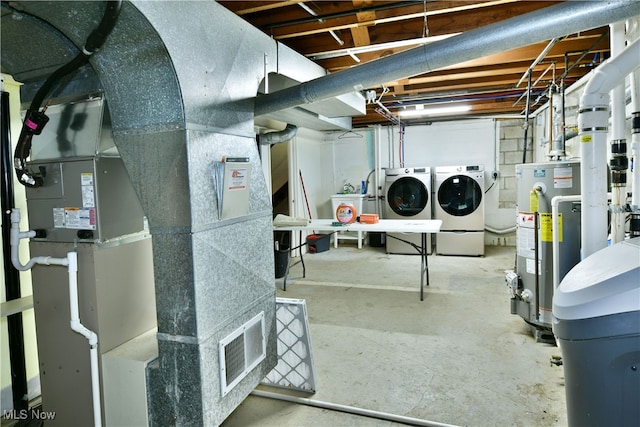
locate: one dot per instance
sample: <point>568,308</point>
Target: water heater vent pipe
<point>593,120</point>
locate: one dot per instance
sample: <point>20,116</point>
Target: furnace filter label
<point>562,178</point>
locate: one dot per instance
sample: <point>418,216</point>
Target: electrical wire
<point>35,118</point>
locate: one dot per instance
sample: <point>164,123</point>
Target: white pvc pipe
<point>618,132</point>
<point>91,336</point>
<point>617,93</point>
<point>350,409</point>
<point>635,174</point>
<point>593,126</point>
<point>71,261</point>
<point>16,235</point>
<point>635,137</point>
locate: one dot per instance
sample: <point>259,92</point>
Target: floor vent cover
<point>241,351</point>
<point>295,370</point>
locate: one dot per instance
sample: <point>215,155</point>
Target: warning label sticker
<point>562,178</point>
<point>75,218</point>
<point>546,227</point>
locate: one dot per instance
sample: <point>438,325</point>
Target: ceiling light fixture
<point>420,111</point>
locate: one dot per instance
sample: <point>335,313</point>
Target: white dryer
<point>408,196</point>
<point>459,203</point>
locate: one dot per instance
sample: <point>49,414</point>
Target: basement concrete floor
<point>458,357</point>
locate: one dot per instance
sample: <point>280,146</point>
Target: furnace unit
<point>85,205</point>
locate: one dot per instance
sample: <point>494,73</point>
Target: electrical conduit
<point>350,409</point>
<point>71,261</point>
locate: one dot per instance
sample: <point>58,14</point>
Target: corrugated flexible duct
<point>272,138</point>
<point>554,21</point>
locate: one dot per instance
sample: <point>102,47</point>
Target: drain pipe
<point>633,29</point>
<point>349,409</point>
<point>71,262</point>
<point>553,21</point>
<point>619,162</point>
<point>593,120</point>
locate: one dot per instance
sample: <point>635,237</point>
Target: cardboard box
<point>369,218</point>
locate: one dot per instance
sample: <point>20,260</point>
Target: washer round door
<point>407,196</point>
<point>459,195</point>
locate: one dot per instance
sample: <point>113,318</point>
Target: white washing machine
<point>459,203</point>
<point>408,196</point>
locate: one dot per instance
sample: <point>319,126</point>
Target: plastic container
<point>282,256</point>
<point>346,213</point>
<point>318,242</point>
<point>596,319</point>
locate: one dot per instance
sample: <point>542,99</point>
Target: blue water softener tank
<point>596,320</point>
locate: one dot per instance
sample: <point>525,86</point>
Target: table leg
<point>424,268</point>
<point>304,269</point>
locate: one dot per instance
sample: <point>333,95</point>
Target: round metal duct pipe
<point>272,138</point>
<point>554,21</point>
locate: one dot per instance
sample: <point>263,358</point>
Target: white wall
<point>329,160</point>
<point>469,142</point>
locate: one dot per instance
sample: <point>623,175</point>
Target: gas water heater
<point>538,187</point>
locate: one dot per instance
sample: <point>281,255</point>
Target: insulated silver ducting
<point>272,138</point>
<point>554,21</point>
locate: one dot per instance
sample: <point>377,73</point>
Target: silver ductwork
<point>554,21</point>
<point>272,138</point>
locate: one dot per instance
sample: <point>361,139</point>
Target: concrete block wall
<point>511,146</point>
<point>510,154</point>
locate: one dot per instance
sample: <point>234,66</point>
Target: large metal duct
<point>172,117</point>
<point>554,21</point>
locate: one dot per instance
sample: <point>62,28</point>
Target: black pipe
<point>11,275</point>
<point>526,119</point>
<point>35,120</point>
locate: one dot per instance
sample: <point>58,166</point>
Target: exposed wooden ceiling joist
<point>315,28</point>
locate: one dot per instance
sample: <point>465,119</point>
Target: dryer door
<point>459,195</point>
<point>407,196</point>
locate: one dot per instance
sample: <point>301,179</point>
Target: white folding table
<point>422,226</point>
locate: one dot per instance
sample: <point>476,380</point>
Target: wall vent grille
<point>241,351</point>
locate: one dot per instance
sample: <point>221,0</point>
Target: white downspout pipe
<point>91,336</point>
<point>71,261</point>
<point>633,30</point>
<point>593,119</point>
<point>618,134</point>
